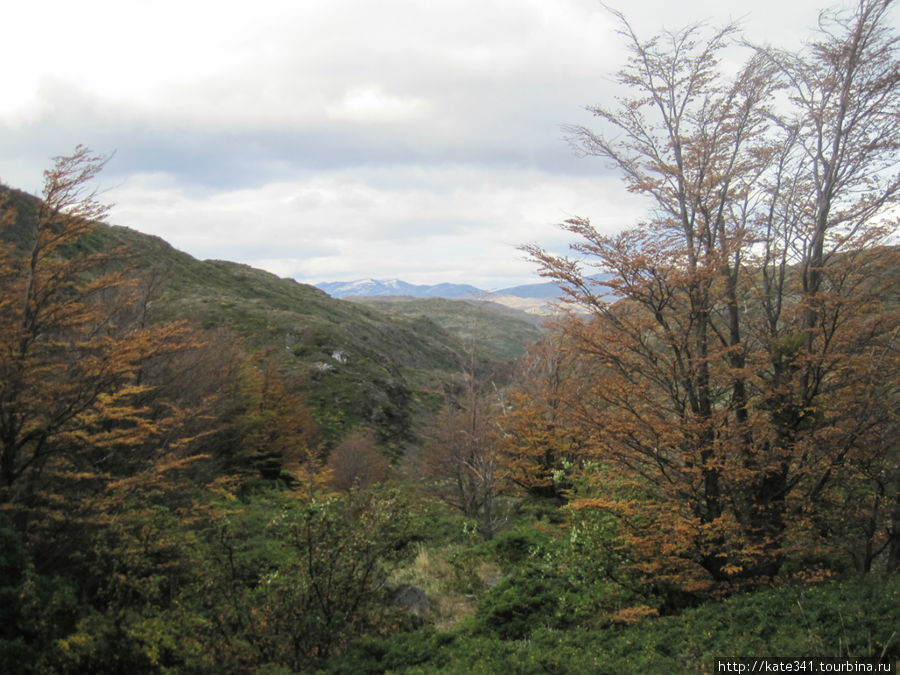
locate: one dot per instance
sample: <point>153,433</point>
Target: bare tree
<point>465,451</point>
<point>730,375</point>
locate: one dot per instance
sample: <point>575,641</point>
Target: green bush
<point>35,610</point>
<point>311,580</point>
<point>514,547</point>
<point>518,604</point>
<point>856,618</point>
<point>399,652</point>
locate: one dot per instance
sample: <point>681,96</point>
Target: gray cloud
<point>327,140</point>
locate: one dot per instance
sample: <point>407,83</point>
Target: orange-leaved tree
<point>735,383</point>
<point>72,402</point>
<point>540,433</point>
<point>274,428</point>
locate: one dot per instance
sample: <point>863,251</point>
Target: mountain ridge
<point>537,298</point>
<point>370,287</point>
<point>396,287</point>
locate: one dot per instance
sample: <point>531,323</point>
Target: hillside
<point>496,332</point>
<point>364,365</point>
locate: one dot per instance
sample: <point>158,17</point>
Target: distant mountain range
<point>377,287</point>
<point>393,287</point>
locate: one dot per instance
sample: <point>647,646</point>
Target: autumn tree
<point>729,380</point>
<point>829,201</point>
<point>273,431</point>
<point>539,432</point>
<point>70,355</point>
<point>463,454</point>
<point>356,461</point>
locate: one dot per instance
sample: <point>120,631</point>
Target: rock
<point>412,599</point>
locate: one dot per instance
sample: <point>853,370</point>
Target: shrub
<point>518,604</point>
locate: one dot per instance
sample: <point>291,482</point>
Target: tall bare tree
<point>464,455</point>
<point>728,377</point>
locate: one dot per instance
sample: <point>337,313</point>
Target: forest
<point>207,469</point>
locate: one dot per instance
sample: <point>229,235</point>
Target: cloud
<point>328,139</point>
<point>440,223</point>
<point>369,104</point>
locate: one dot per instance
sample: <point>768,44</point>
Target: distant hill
<point>545,291</point>
<point>497,332</point>
<point>368,288</point>
<point>534,299</point>
<point>395,287</point>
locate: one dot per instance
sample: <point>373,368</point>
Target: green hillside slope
<point>496,332</point>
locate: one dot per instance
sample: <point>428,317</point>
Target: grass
<point>453,580</point>
<point>501,333</point>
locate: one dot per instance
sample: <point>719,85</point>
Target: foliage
<point>518,604</point>
<point>514,547</point>
<point>293,590</point>
<point>854,619</point>
<point>273,434</point>
<point>736,389</point>
<point>357,461</point>
<point>394,655</point>
<point>36,610</point>
<point>538,431</point>
<point>72,347</point>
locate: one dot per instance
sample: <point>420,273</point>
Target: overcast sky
<point>339,139</point>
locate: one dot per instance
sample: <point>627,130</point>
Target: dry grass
<point>453,587</point>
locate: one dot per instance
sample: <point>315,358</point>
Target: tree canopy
<point>738,382</point>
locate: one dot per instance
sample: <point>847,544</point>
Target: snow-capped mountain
<point>380,287</point>
<point>394,287</point>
